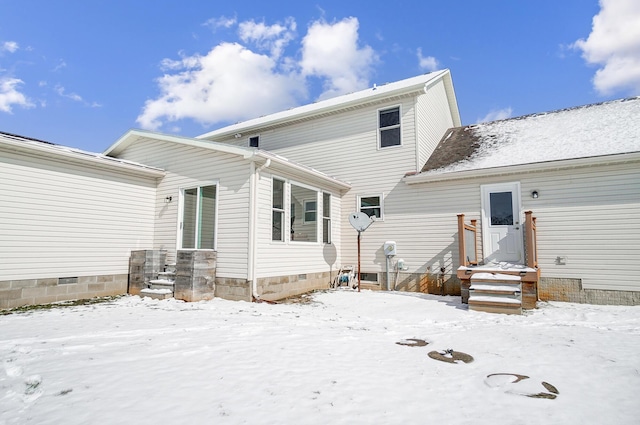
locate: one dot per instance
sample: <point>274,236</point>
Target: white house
<point>259,209</point>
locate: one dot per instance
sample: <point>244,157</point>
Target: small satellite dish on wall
<point>360,221</point>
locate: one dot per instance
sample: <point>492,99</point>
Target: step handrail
<point>467,242</point>
<point>531,239</point>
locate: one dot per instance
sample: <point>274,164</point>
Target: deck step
<point>495,293</point>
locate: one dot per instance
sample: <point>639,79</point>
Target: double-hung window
<point>277,211</point>
<point>199,217</point>
<point>305,227</point>
<point>371,205</point>
<point>389,127</point>
<point>326,218</point>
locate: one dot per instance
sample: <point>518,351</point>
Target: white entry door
<point>502,223</point>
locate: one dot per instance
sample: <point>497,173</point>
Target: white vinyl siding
<point>190,167</point>
<point>433,117</point>
<point>590,216</point>
<point>291,257</point>
<point>59,219</point>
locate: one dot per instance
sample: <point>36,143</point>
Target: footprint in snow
<point>33,390</point>
<point>450,356</point>
<point>513,383</point>
<point>12,369</point>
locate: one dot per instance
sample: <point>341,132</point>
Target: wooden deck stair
<point>495,293</point>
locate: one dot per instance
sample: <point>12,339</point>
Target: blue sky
<point>82,72</point>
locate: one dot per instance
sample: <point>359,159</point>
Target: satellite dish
<point>360,221</point>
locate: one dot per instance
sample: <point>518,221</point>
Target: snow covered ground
<point>334,360</point>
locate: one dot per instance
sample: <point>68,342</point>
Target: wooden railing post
<point>461,245</point>
<point>531,239</point>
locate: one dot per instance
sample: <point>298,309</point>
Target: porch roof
<point>259,155</point>
<point>50,150</point>
<point>589,134</point>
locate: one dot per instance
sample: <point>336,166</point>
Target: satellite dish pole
<point>360,221</point>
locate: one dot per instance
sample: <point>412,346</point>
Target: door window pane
<point>199,218</point>
<point>501,208</point>
<point>189,218</point>
<point>304,229</point>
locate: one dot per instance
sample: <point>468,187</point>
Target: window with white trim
<point>389,127</point>
<point>326,218</point>
<point>198,226</point>
<point>310,210</point>
<point>277,211</point>
<point>305,228</point>
<point>371,205</point>
<point>254,141</point>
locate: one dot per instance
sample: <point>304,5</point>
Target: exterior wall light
<point>168,199</point>
<point>534,194</point>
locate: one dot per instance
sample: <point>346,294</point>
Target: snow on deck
<point>495,276</point>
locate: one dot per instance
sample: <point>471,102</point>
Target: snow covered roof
<point>610,128</point>
<point>342,103</point>
<point>46,149</point>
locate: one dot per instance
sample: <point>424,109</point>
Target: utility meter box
<point>389,248</point>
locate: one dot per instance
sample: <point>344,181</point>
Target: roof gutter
<point>335,104</point>
<point>78,156</point>
<point>428,177</point>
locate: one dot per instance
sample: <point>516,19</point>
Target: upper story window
<point>389,127</point>
<point>254,141</point>
<point>198,225</point>
<point>371,205</point>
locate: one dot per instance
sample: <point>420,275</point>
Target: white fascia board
<point>245,152</point>
<point>278,162</point>
<point>523,168</point>
<point>326,106</point>
<point>133,135</point>
<point>43,150</point>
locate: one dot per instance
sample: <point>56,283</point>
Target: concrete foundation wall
<point>279,287</point>
<point>18,293</point>
<point>233,289</point>
<point>571,290</point>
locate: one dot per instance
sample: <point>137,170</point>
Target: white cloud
<point>428,63</point>
<point>268,37</point>
<point>10,95</point>
<point>234,83</point>
<point>62,92</point>
<point>9,46</point>
<point>221,22</point>
<point>497,114</point>
<point>614,45</point>
<point>331,51</point>
<point>75,97</point>
<point>60,65</point>
<point>229,83</point>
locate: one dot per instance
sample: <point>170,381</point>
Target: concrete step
<point>158,294</point>
<point>162,284</point>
